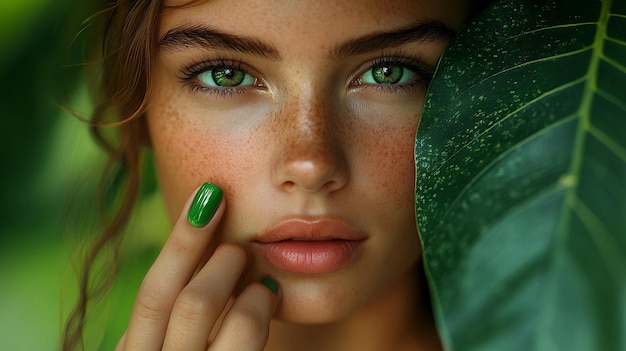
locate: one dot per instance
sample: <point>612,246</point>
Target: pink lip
<point>310,246</point>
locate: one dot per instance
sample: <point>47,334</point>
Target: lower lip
<point>310,257</point>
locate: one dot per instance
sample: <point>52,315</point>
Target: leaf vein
<point>616,41</point>
<point>603,240</point>
<point>609,142</point>
<point>510,114</point>
<point>503,155</point>
<point>613,63</point>
<point>498,42</point>
<point>606,95</point>
<point>539,30</point>
<point>528,63</point>
<point>547,315</point>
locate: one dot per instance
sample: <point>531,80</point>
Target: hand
<point>177,310</point>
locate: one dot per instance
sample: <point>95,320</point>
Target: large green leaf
<point>521,179</point>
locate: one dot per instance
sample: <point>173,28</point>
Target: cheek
<point>388,164</point>
<point>190,151</point>
<point>394,166</point>
<point>388,141</point>
<point>389,168</point>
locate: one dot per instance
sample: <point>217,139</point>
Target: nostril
<point>333,185</point>
<point>288,184</point>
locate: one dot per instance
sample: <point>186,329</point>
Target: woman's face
<point>304,113</point>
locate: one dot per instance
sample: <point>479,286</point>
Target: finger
<point>121,345</point>
<point>203,300</point>
<point>246,325</point>
<point>173,269</point>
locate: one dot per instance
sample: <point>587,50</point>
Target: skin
<point>312,139</point>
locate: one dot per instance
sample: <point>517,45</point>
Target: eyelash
<point>188,76</point>
<point>424,73</point>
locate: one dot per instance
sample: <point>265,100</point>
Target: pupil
<point>387,74</point>
<point>228,73</point>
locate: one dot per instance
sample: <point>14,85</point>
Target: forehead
<point>316,23</point>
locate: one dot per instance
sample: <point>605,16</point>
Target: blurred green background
<point>49,170</point>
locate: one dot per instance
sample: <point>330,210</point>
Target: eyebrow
<point>198,36</point>
<point>427,31</point>
<point>204,37</point>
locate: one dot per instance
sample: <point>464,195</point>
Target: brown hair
<point>123,48</point>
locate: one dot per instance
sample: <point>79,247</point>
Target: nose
<point>309,155</point>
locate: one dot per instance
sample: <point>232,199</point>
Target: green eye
<point>387,74</point>
<point>225,77</point>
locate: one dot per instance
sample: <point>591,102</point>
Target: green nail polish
<point>272,285</point>
<point>204,205</point>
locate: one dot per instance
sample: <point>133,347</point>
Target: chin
<point>311,312</point>
<point>318,300</point>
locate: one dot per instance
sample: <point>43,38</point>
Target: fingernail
<point>204,204</point>
<point>271,284</point>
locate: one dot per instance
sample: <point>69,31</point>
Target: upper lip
<point>310,229</point>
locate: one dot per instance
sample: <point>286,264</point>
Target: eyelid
<point>188,75</point>
<point>423,69</point>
